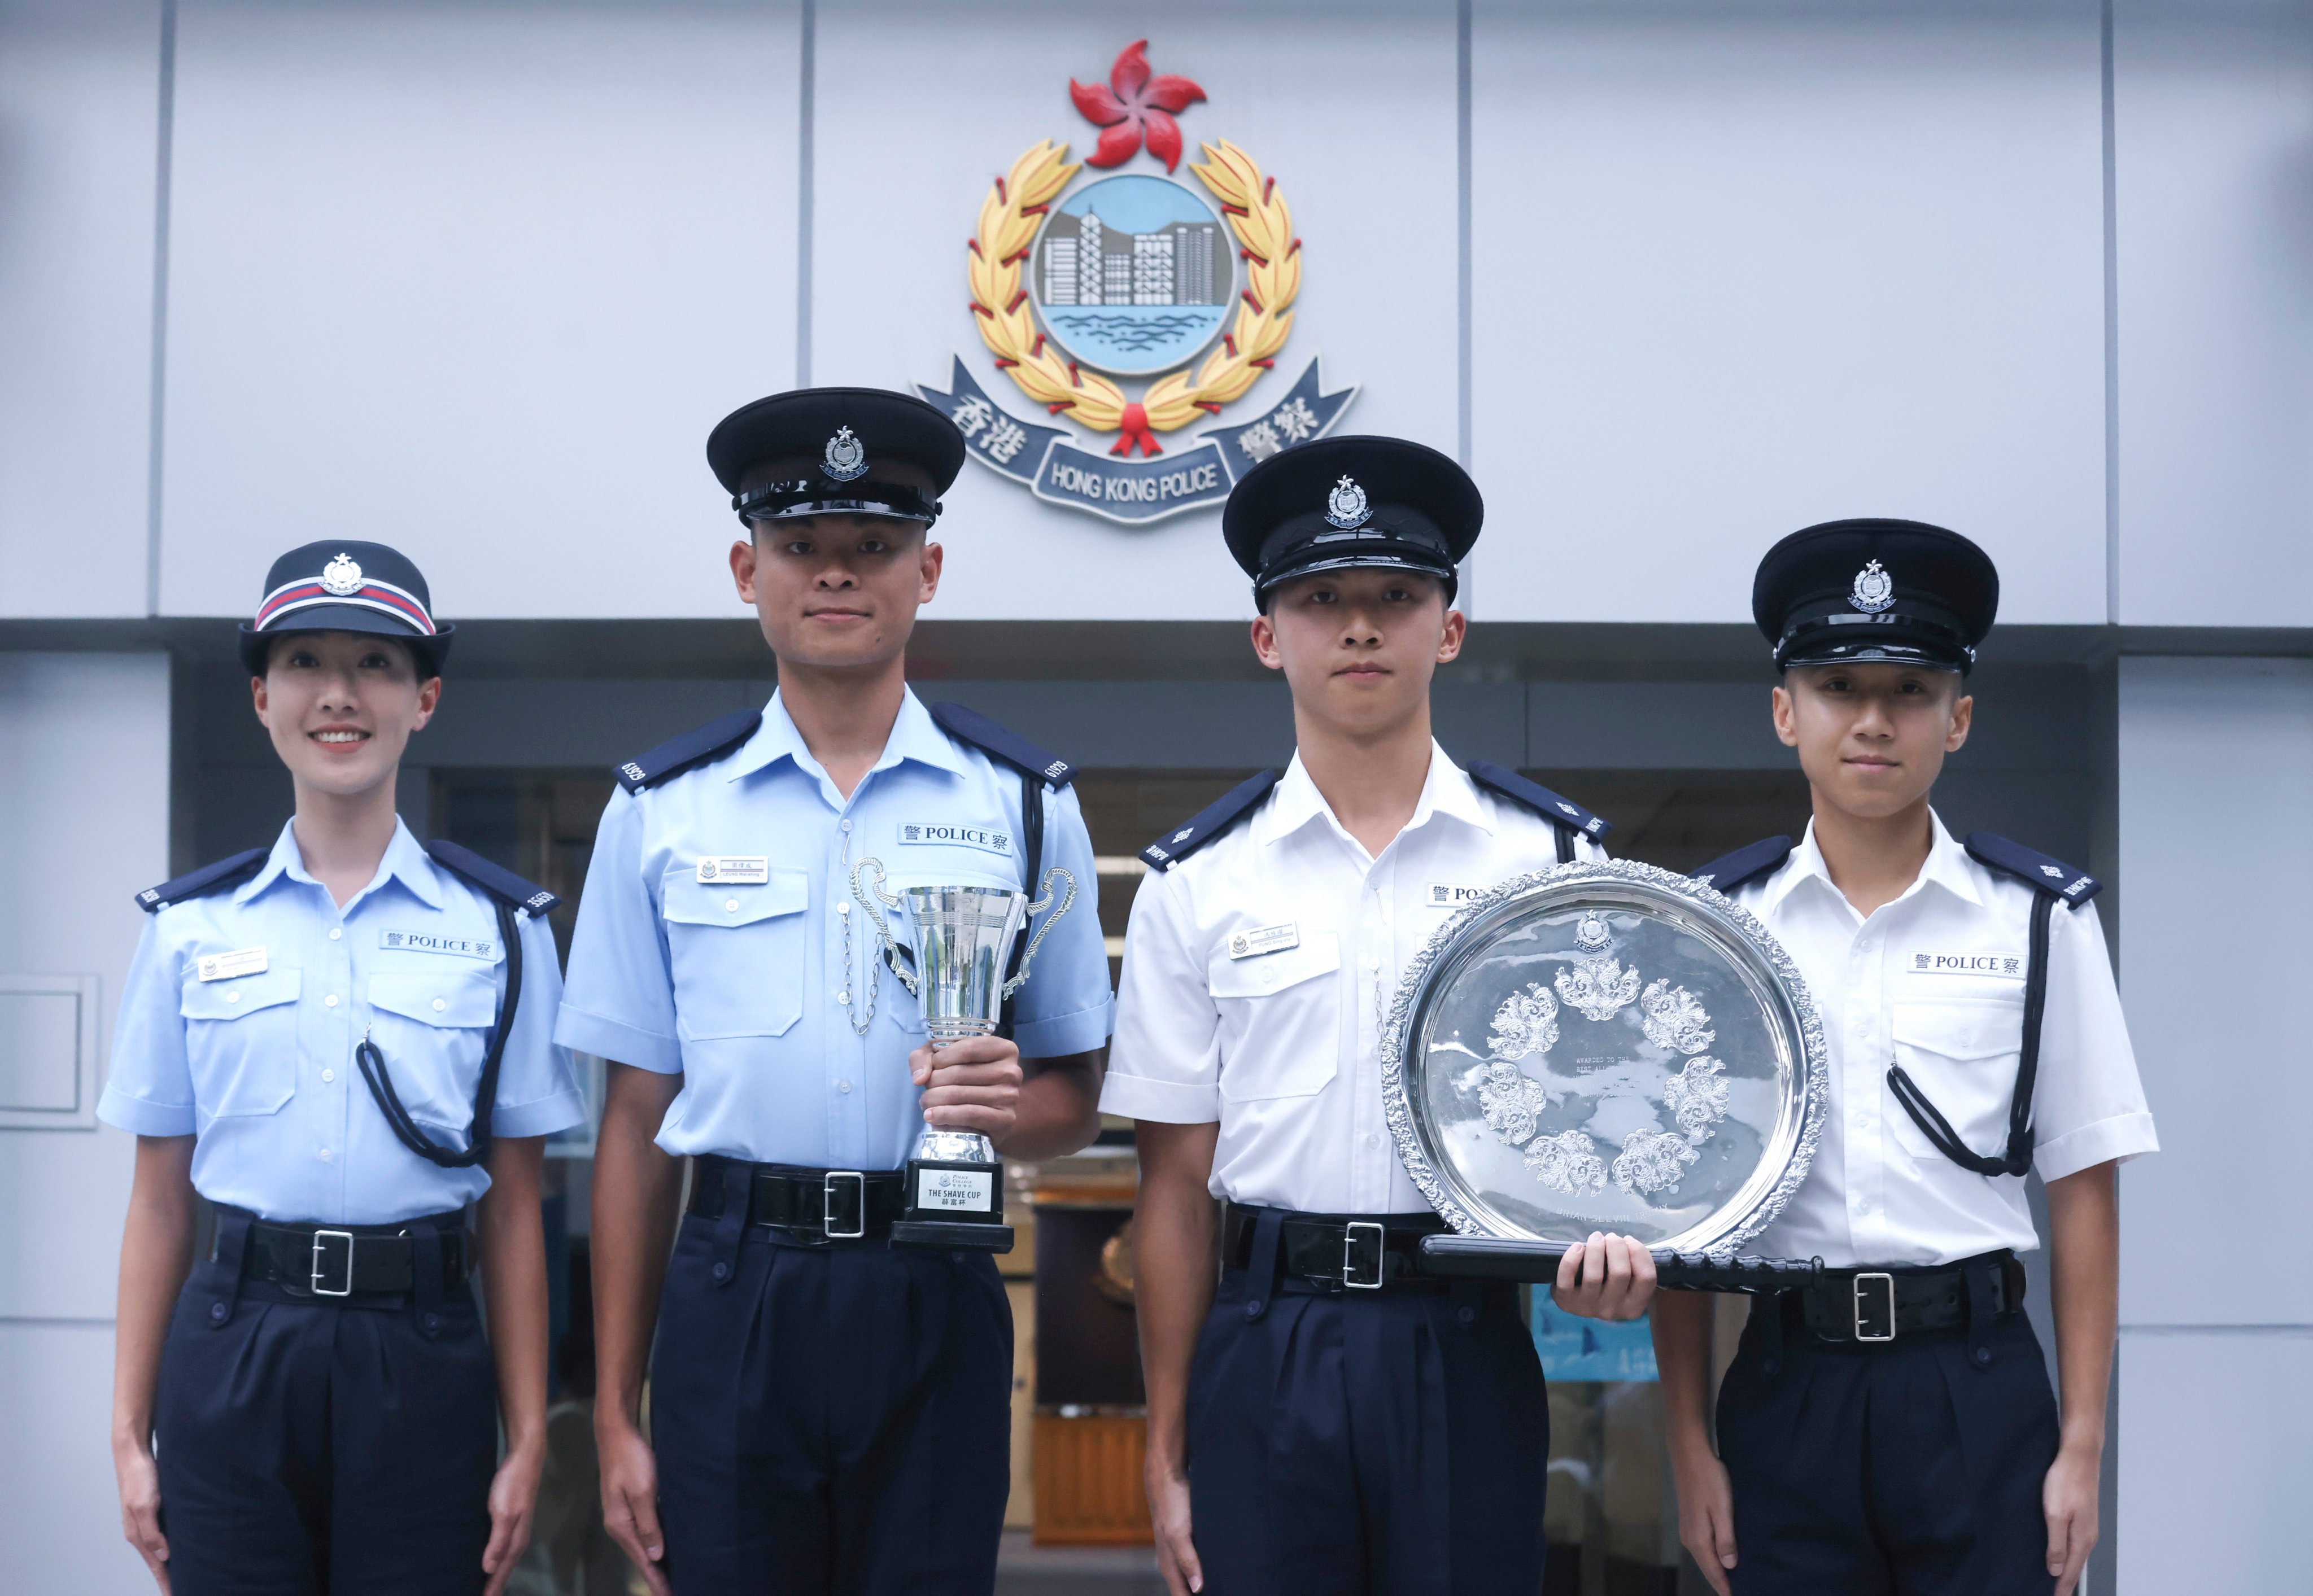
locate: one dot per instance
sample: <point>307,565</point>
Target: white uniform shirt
<point>1878,1192</point>
<point>1280,1044</point>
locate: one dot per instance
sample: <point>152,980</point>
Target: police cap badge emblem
<point>1346,507</point>
<point>846,457</point>
<point>1874,589</point>
<point>341,576</point>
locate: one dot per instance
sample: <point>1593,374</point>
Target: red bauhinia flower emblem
<point>1135,105</point>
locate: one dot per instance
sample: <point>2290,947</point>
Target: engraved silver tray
<point>1605,1047</point>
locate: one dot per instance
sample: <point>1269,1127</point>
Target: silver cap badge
<point>1874,589</point>
<point>1345,506</point>
<point>341,576</point>
<point>846,456</point>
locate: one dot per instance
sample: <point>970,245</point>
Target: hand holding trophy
<point>961,937</point>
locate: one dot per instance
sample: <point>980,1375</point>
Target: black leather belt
<point>1342,1251</point>
<point>348,1261</point>
<point>1871,1306</point>
<point>805,1204</point>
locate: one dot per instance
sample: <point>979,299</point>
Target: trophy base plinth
<point>954,1204</point>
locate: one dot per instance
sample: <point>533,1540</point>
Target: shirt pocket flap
<point>1319,954</point>
<point>243,995</point>
<point>688,901</point>
<point>1981,1029</point>
<point>465,998</point>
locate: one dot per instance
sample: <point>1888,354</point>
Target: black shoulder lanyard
<point>1565,843</point>
<point>407,1130</point>
<point>1930,1118</point>
<point>1032,853</point>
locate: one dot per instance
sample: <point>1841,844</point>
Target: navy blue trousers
<point>322,1448</point>
<point>830,1419</point>
<point>1367,1443</point>
<point>1912,1467</point>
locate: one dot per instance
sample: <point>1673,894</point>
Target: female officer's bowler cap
<point>346,586</point>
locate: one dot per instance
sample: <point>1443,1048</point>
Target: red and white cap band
<point>373,595</point>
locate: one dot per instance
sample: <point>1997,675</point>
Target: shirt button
<point>329,1075</point>
<point>233,997</point>
<point>1372,1140</point>
<point>325,1155</point>
<point>330,1000</point>
<point>440,1003</point>
<point>847,825</point>
<point>336,932</point>
<point>731,905</point>
<point>843,1086</point>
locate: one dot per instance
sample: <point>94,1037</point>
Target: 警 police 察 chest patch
<point>945,834</point>
<point>1454,894</point>
<point>1996,966</point>
<point>1265,939</point>
<point>224,967</point>
<point>735,870</point>
<point>431,942</point>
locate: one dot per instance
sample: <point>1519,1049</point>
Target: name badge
<point>1454,895</point>
<point>735,870</point>
<point>426,941</point>
<point>2004,967</point>
<point>224,967</point>
<point>971,1192</point>
<point>1268,939</point>
<point>939,834</point>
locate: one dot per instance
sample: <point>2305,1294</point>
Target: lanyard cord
<point>407,1130</point>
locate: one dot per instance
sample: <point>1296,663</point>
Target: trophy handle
<point>1038,907</point>
<point>901,960</point>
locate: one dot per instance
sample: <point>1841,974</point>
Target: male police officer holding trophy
<point>830,1399</point>
<point>1329,1419</point>
<point>1889,1428</point>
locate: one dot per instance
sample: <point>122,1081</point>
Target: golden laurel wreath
<point>1263,225</point>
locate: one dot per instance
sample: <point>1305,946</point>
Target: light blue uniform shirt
<point>259,1066</point>
<point>744,989</point>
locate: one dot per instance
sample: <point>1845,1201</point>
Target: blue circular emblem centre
<point>1133,275</point>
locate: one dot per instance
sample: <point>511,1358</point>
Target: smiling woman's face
<point>341,706</point>
<point>1872,737</point>
<point>1358,647</point>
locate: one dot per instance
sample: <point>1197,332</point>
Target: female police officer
<point>333,1041</point>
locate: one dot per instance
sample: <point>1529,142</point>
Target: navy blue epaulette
<point>679,754</point>
<point>2057,879</point>
<point>496,879</point>
<point>1532,796</point>
<point>998,742</point>
<point>200,883</point>
<point>1177,845</point>
<point>1745,864</point>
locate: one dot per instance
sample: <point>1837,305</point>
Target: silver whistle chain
<point>860,1024</point>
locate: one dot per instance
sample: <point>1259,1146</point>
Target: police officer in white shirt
<point>829,1408</point>
<point>1329,1420</point>
<point>1892,1429</point>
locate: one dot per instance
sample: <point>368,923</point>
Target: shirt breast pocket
<point>241,1040</point>
<point>432,1028</point>
<point>1280,1019</point>
<point>737,953</point>
<point>1964,1055</point>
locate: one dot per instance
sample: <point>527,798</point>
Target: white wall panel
<point>1350,107</point>
<point>2216,756</point>
<point>1741,268</point>
<point>59,1510</point>
<point>2213,112</point>
<point>475,280</point>
<point>79,91</point>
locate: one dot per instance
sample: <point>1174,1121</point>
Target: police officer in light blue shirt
<point>344,1042</point>
<point>829,1406</point>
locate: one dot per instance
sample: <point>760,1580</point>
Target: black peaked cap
<point>1876,590</point>
<point>823,423</point>
<point>346,585</point>
<point>1356,501</point>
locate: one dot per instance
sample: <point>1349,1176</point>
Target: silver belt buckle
<point>315,1277</point>
<point>827,1204</point>
<point>1887,1284</point>
<point>1349,1270</point>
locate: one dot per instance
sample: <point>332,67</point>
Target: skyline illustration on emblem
<point>1131,307</point>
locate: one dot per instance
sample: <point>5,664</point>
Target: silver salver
<point>1605,1047</point>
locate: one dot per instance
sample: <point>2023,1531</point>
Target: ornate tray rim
<point>1397,1103</point>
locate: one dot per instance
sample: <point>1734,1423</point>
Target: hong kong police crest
<point>1082,291</point>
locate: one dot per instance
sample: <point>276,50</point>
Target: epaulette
<point>199,884</point>
<point>1745,864</point>
<point>496,879</point>
<point>998,743</point>
<point>679,754</point>
<point>1175,846</point>
<point>2057,879</point>
<point>1532,796</point>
